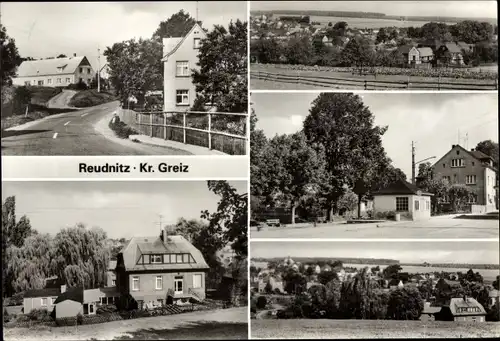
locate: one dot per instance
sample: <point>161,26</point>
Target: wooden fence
<point>366,84</point>
<point>225,132</point>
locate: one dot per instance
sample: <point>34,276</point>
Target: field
<point>90,98</point>
<point>310,79</point>
<point>219,324</point>
<point>368,329</point>
<point>362,23</point>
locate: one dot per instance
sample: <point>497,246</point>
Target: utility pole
<point>196,11</point>
<point>413,162</point>
<point>98,69</point>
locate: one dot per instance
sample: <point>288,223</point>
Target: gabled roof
<point>425,51</point>
<point>401,187</point>
<point>405,49</point>
<point>170,45</point>
<point>466,302</point>
<point>72,294</point>
<point>478,155</point>
<point>150,245</point>
<point>43,67</point>
<point>452,47</point>
<point>47,292</point>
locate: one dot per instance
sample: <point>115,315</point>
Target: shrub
<point>79,318</point>
<point>106,309</point>
<point>277,291</point>
<point>126,303</point>
<point>261,302</point>
<point>78,86</point>
<point>121,129</point>
<point>38,314</point>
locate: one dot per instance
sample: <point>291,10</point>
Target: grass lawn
<point>342,329</point>
<point>89,98</point>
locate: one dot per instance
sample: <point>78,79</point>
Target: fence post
<point>165,126</point>
<point>151,122</point>
<point>139,123</point>
<point>366,85</point>
<point>184,127</point>
<point>439,82</point>
<point>496,84</point>
<point>408,83</point>
<point>209,131</point>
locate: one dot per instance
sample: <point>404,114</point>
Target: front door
<point>178,285</point>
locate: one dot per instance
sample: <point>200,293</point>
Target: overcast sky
<point>46,29</point>
<point>466,9</point>
<point>121,208</point>
<point>409,252</point>
<point>432,120</point>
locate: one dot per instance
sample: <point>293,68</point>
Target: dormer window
<point>155,259</point>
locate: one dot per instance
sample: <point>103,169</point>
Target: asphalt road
<point>75,133</point>
<point>438,227</point>
<point>61,100</point>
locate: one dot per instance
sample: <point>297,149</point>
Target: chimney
<point>63,288</point>
<point>74,54</point>
<point>452,146</point>
<point>164,232</point>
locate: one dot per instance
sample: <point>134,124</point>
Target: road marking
<point>67,123</point>
<point>85,114</point>
<point>55,135</point>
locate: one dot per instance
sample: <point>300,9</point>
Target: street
<point>81,132</point>
<point>436,227</point>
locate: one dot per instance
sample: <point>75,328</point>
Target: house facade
<point>473,169</point>
<point>111,274</point>
<point>57,72</point>
<point>40,299</point>
<point>404,198</point>
<point>155,270</point>
<point>462,309</point>
<point>180,56</point>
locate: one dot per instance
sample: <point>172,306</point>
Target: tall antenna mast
<point>196,11</point>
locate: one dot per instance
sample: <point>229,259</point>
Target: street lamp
<point>416,163</point>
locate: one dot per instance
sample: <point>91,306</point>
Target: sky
<point>121,208</point>
<point>460,9</point>
<point>406,252</point>
<point>433,120</point>
<point>47,29</point>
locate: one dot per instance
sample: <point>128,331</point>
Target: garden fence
<point>372,84</point>
<point>225,132</point>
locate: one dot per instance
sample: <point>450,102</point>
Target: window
<point>68,80</point>
<point>457,163</point>
<point>427,205</point>
<point>135,283</point>
<point>103,300</point>
<point>196,281</point>
<point>182,97</point>
<point>166,259</point>
<point>185,258</point>
<point>196,43</point>
<point>178,258</point>
<point>444,165</point>
<point>182,69</point>
<point>27,83</point>
<point>401,204</point>
<point>44,301</point>
<point>88,71</point>
<point>472,199</point>
<point>59,80</point>
<point>40,82</point>
<point>458,152</point>
<point>91,309</point>
<point>178,284</point>
<point>49,81</point>
<point>81,70</point>
<point>34,82</point>
<point>59,69</point>
<point>113,282</point>
<point>470,179</point>
<point>417,205</point>
<point>472,163</point>
<point>159,282</point>
<point>447,178</point>
<point>81,80</point>
<point>146,259</point>
<point>156,259</point>
<point>49,300</point>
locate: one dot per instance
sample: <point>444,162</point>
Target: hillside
<point>370,261</point>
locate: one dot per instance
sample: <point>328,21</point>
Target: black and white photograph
<point>374,165</point>
<point>124,260</point>
<point>374,45</point>
<point>124,78</point>
<point>347,290</point>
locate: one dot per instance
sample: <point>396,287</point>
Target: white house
<point>180,55</point>
<point>404,198</point>
<point>54,72</point>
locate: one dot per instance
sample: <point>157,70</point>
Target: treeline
<point>352,14</point>
<point>455,265</point>
<point>315,260</point>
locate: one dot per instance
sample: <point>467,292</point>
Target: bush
<point>78,86</point>
<point>90,98</point>
<point>277,291</point>
<point>126,303</point>
<point>261,302</point>
<point>38,315</point>
<point>106,309</point>
<point>79,318</point>
<point>121,129</point>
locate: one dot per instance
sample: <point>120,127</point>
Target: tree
<point>348,201</point>
<point>265,50</point>
<point>268,289</point>
<point>325,277</point>
<point>261,302</point>
<point>472,31</point>
<point>438,187</point>
<point>230,219</point>
<point>357,52</point>
<point>405,304</point>
<point>10,57</point>
<point>62,56</point>
<point>489,148</point>
<point>495,283</point>
<point>299,50</point>
<point>222,77</point>
<point>459,196</point>
<point>425,171</point>
<point>294,282</point>
<point>392,271</point>
<point>382,36</point>
<point>341,126</point>
<point>178,25</point>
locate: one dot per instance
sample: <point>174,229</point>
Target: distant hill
<point>373,15</point>
<point>368,261</point>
